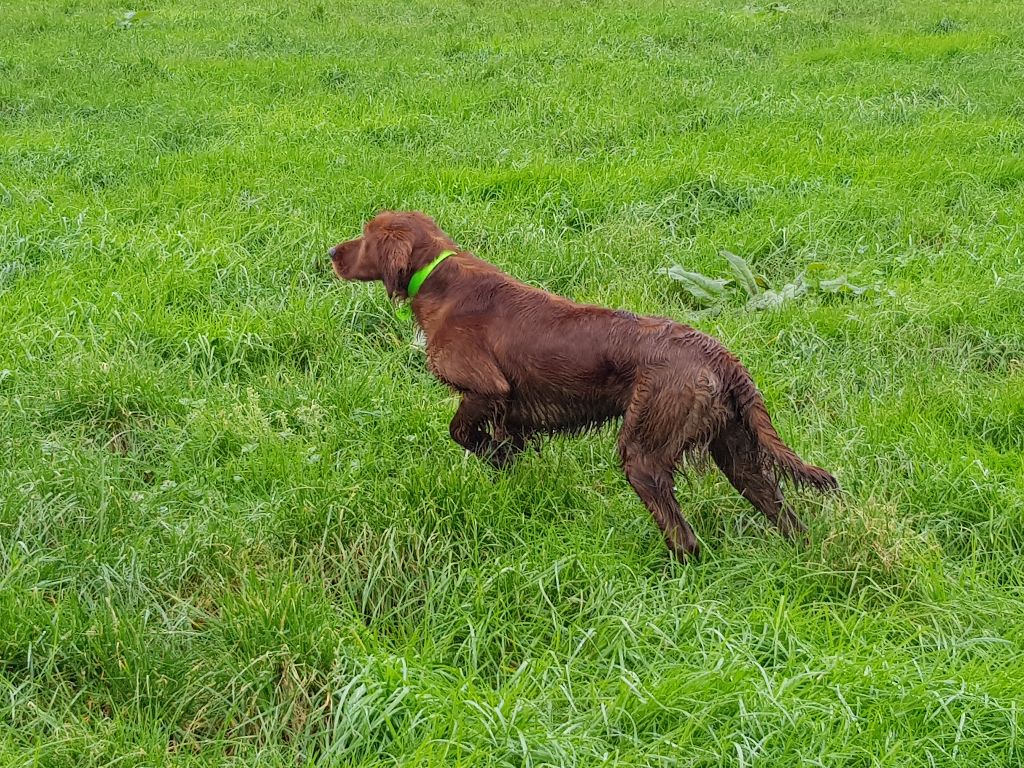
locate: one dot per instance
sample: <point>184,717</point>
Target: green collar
<point>418,278</point>
<point>421,274</point>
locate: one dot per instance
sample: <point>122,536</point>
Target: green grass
<point>234,528</point>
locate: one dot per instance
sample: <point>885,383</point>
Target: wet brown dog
<point>529,363</point>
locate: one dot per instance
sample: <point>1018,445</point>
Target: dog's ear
<point>392,252</point>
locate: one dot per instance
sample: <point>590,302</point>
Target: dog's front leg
<point>469,429</point>
<point>469,425</point>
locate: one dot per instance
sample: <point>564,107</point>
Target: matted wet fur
<point>527,363</point>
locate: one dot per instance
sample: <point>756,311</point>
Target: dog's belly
<point>566,395</point>
<point>529,415</point>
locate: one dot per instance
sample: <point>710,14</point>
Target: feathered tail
<point>754,415</point>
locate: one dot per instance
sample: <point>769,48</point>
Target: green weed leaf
<point>744,275</point>
<point>772,299</point>
<point>705,290</point>
<point>843,286</point>
<point>131,19</point>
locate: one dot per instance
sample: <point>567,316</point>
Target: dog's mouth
<point>334,254</point>
<point>344,259</point>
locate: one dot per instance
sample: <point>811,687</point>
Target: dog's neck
<point>420,275</point>
<point>431,302</point>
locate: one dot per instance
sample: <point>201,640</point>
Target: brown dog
<point>529,363</point>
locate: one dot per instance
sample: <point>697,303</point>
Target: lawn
<point>234,529</point>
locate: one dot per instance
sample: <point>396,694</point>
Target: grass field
<point>234,528</point>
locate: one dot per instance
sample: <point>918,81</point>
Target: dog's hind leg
<point>662,423</point>
<point>653,483</point>
<point>737,455</point>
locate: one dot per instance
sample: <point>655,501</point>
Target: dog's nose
<point>333,250</point>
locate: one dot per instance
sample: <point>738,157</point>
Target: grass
<point>233,527</point>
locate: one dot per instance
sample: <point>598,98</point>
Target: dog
<point>527,363</point>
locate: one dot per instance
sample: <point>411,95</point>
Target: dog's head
<point>394,244</point>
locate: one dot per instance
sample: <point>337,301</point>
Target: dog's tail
<point>752,412</point>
